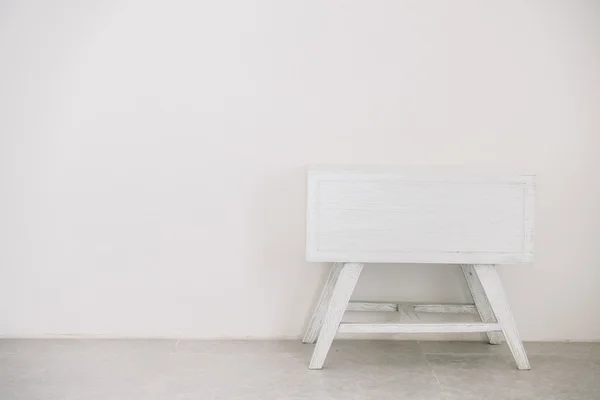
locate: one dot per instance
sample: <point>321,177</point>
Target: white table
<point>358,215</point>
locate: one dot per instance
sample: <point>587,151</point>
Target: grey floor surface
<point>203,370</point>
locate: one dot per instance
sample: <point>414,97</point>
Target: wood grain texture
<point>372,306</point>
<point>407,312</point>
<point>490,282</point>
<point>344,286</point>
<point>403,216</point>
<point>418,328</point>
<point>417,308</point>
<point>481,302</point>
<point>445,308</point>
<point>316,321</point>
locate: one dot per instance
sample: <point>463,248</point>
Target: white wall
<point>152,153</point>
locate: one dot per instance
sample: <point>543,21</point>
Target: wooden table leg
<point>340,297</point>
<point>492,286</point>
<point>316,321</point>
<point>481,302</point>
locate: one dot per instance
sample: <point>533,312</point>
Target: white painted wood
<point>417,308</point>
<point>418,328</point>
<point>445,308</point>
<point>402,216</point>
<point>481,302</point>
<point>340,296</point>
<point>371,306</point>
<point>490,281</point>
<point>314,326</point>
<point>407,311</point>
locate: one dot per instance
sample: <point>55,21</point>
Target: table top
<point>419,215</point>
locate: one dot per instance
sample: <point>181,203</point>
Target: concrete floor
<point>264,370</point>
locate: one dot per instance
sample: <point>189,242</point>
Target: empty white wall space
<point>153,153</point>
